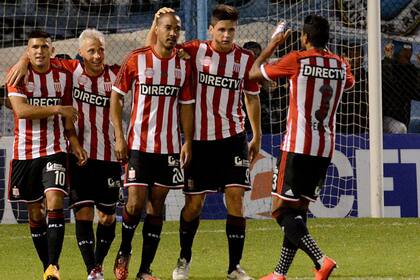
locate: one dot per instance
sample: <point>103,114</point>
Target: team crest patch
<point>177,73</point>
<point>30,86</point>
<point>206,61</point>
<point>190,184</point>
<point>82,80</point>
<point>149,72</point>
<point>108,86</point>
<point>57,86</point>
<point>236,67</point>
<point>15,191</point>
<point>131,174</point>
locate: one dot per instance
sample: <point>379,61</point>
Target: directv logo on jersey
<point>159,90</point>
<point>324,73</point>
<point>90,98</point>
<point>44,101</point>
<point>218,81</point>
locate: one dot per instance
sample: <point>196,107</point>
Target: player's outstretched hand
<point>253,149</point>
<point>121,149</point>
<point>186,154</point>
<point>280,34</point>
<point>68,112</point>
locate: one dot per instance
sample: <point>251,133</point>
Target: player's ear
<point>52,51</point>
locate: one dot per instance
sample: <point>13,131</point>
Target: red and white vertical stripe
<point>95,133</point>
<point>218,110</point>
<point>154,122</point>
<point>40,137</point>
<point>303,135</point>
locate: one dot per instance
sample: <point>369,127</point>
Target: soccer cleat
<point>96,273</point>
<point>273,276</point>
<point>181,270</point>
<point>52,273</point>
<point>121,266</point>
<point>239,274</point>
<point>146,276</point>
<point>327,267</point>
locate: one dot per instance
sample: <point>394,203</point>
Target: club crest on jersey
<point>206,61</point>
<point>30,86</point>
<point>177,73</point>
<point>236,67</point>
<point>108,86</point>
<point>82,80</point>
<point>149,72</point>
<point>57,86</point>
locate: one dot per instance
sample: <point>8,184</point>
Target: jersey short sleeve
<point>283,67</point>
<point>18,90</point>
<point>349,76</point>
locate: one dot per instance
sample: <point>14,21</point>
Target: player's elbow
<point>254,74</point>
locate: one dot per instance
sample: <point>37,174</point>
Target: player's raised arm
<point>255,74</point>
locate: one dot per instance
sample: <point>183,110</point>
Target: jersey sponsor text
<point>44,101</point>
<point>159,90</point>
<point>324,72</point>
<point>218,81</point>
<point>90,98</point>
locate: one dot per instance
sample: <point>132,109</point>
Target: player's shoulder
<point>140,51</point>
<point>59,68</point>
<point>243,50</point>
<point>191,43</point>
<point>113,68</point>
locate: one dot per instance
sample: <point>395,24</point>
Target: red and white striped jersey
<point>158,86</point>
<point>317,80</point>
<point>41,137</point>
<point>91,97</point>
<point>219,80</point>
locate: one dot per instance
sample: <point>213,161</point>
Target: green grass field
<point>363,249</point>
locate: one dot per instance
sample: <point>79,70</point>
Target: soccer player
<point>92,85</point>
<point>43,115</point>
<point>317,80</point>
<point>160,84</point>
<point>221,156</point>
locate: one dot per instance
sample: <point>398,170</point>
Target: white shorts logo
<point>131,174</point>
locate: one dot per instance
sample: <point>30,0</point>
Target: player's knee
<point>83,212</point>
<point>37,216</point>
<point>191,211</point>
<point>134,209</point>
<point>106,219</point>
